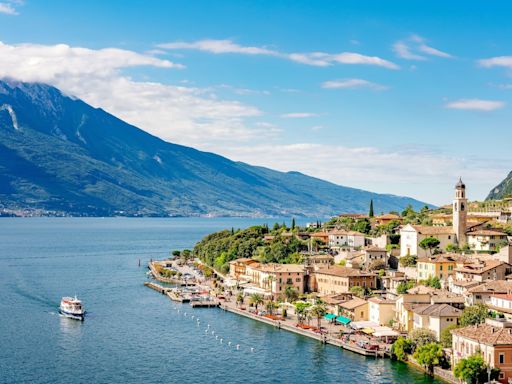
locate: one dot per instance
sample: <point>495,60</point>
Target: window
<point>440,267</point>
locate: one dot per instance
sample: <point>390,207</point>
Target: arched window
<point>462,207</point>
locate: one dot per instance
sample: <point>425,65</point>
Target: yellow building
<point>441,266</point>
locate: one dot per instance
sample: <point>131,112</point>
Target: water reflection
<point>70,333</point>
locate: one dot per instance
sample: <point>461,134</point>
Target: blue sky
<point>399,97</point>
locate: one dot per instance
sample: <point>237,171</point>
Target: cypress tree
<point>371,208</point>
<point>293,222</point>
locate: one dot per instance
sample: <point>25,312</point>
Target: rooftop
<point>354,303</point>
<point>492,286</point>
<point>443,258</point>
<point>428,230</point>
<point>490,334</point>
<point>338,270</point>
<point>436,310</point>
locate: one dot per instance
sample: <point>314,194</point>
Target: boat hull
<point>74,316</point>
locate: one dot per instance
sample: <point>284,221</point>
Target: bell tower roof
<point>460,184</point>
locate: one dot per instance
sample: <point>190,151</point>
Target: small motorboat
<point>72,307</point>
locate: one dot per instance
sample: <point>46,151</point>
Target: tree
<point>475,314</point>
<point>382,273</point>
<point>363,226</point>
<point>408,261</point>
<point>429,243</point>
<point>293,222</point>
<point>256,299</point>
<point>377,265</point>
<point>452,248</point>
<point>291,293</point>
<point>240,298</point>
<point>446,336</point>
<point>176,253</point>
<point>401,348</point>
<point>429,355</point>
<point>318,311</point>
<point>403,287</point>
<point>358,291</point>
<point>370,213</point>
<point>433,281</point>
<point>275,227</point>
<point>422,336</point>
<point>270,306</point>
<point>301,309</point>
<point>470,369</point>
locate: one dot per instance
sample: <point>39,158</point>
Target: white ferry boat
<point>72,307</point>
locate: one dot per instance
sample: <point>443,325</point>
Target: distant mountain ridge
<point>502,190</point>
<point>59,153</point>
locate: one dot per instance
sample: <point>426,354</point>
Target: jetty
<point>157,287</point>
<point>204,303</point>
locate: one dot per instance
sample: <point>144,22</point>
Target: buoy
<point>238,346</point>
<point>252,349</point>
<point>221,341</point>
<point>229,342</point>
<point>205,331</point>
<point>213,332</point>
<point>216,337</point>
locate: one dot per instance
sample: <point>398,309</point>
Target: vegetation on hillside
<point>219,248</point>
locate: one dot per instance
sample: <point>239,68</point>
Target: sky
<point>393,97</point>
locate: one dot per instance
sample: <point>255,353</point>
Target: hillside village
<point>446,272</point>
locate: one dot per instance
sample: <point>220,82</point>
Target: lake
<point>132,334</point>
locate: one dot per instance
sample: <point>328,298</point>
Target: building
<point>482,270</point>
<point>486,239</point>
<point>493,340</point>
<point>483,292</point>
<point>346,239</point>
<point>355,309</point>
<point>381,311</point>
<point>435,317</point>
<point>387,218</point>
<point>502,303</point>
<point>368,257</point>
<point>275,278</point>
<point>412,235</point>
<point>238,267</point>
<point>460,205</point>
<point>441,266</point>
<point>336,279</point>
<point>405,303</point>
<point>319,259</point>
<point>323,237</point>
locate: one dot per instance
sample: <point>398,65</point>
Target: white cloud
<point>499,61</point>
<point>319,59</point>
<point>411,48</point>
<point>298,115</point>
<point>413,171</point>
<point>351,84</point>
<point>175,113</point>
<point>219,46</point>
<point>475,104</point>
<point>403,51</point>
<point>7,9</point>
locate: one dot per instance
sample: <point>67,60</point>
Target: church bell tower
<point>460,206</point>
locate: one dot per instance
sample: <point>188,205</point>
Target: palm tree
<point>240,298</point>
<point>256,299</point>
<point>318,311</point>
<point>270,306</point>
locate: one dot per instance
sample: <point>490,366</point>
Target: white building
<point>412,235</point>
<point>346,239</point>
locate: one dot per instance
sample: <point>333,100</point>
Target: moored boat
<point>72,307</point>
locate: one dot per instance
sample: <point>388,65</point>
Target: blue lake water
<point>133,334</point>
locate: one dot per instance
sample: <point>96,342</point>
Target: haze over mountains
<point>60,154</point>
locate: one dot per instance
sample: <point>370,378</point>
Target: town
<point>433,288</point>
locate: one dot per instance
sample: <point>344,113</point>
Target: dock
<point>173,295</point>
<point>204,304</point>
<point>157,287</point>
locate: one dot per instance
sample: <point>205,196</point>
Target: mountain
<point>502,190</point>
<point>60,154</point>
